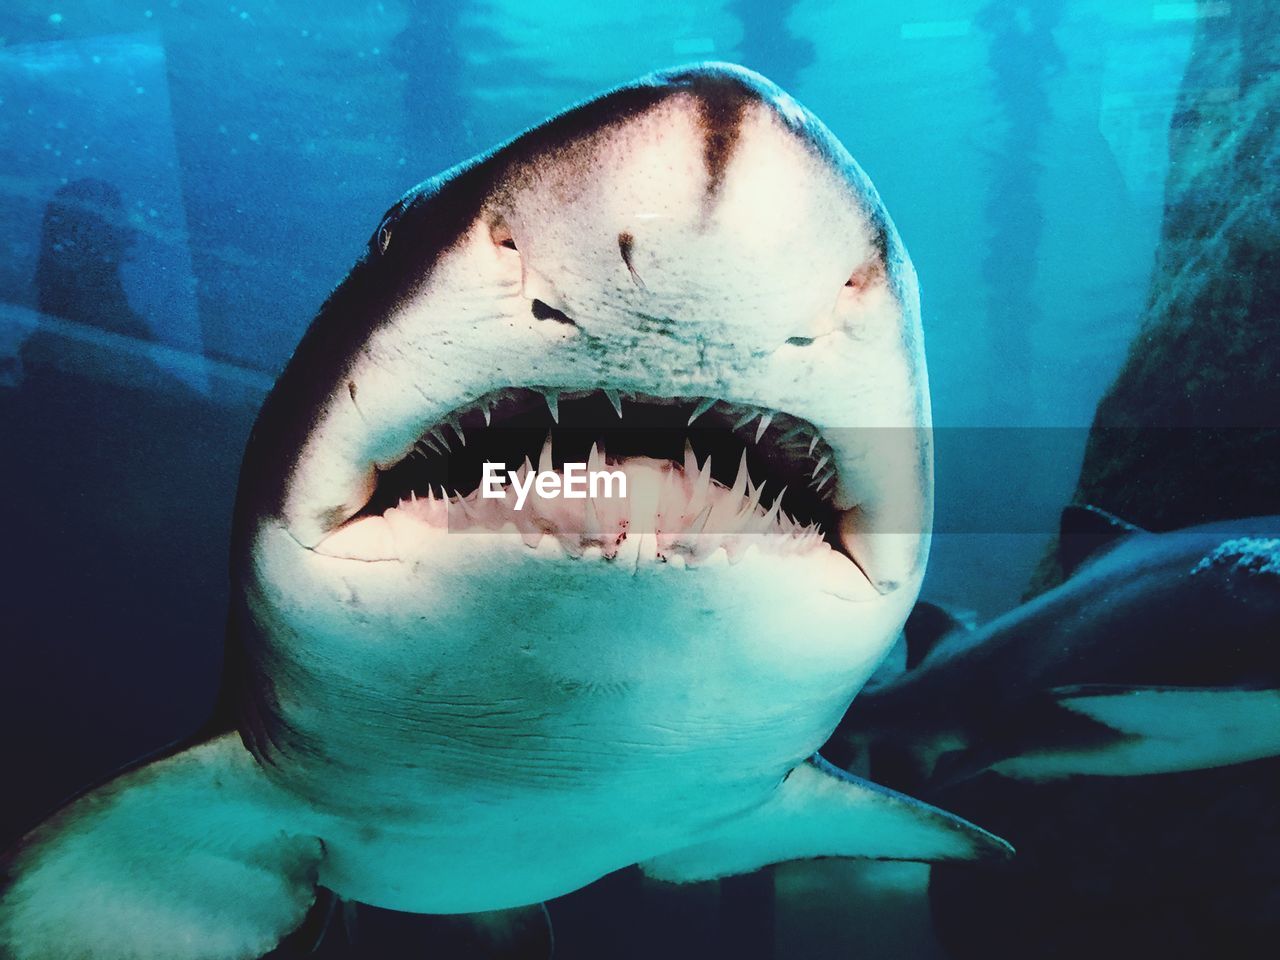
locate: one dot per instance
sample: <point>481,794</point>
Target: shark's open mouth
<point>702,475</point>
<point>513,427</point>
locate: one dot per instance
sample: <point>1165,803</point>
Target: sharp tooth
<point>823,482</point>
<point>703,406</point>
<point>544,458</point>
<point>553,403</point>
<point>753,500</point>
<point>746,418</point>
<point>457,428</point>
<point>813,442</point>
<point>771,515</point>
<point>441,439</point>
<point>488,414</point>
<point>764,425</point>
<point>690,461</point>
<point>615,398</point>
<point>591,525</point>
<point>571,544</point>
<point>821,463</point>
<point>735,524</point>
<point>701,486</point>
<point>740,481</point>
<point>521,472</point>
<point>667,495</point>
<point>594,461</point>
<point>700,521</point>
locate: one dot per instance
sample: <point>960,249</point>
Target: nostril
<point>543,312</point>
<point>799,341</point>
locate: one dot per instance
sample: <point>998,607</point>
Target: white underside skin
<point>1163,730</point>
<point>609,711</point>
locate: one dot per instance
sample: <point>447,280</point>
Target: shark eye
<point>502,235</point>
<point>866,275</point>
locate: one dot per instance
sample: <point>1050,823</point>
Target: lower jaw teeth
<point>599,506</point>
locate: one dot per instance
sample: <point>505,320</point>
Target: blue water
<point>1021,148</point>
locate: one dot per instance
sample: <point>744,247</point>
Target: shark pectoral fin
<point>1182,728</point>
<point>821,811</point>
<point>189,856</point>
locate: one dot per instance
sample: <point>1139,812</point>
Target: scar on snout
<point>351,389</point>
<point>625,242</point>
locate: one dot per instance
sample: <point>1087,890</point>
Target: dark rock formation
<point>1190,430</point>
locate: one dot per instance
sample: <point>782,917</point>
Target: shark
<point>1158,654</point>
<point>442,702</point>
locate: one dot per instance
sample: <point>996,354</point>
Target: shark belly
<point>484,814</point>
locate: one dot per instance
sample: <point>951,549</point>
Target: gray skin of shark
<point>1158,655</point>
<point>447,723</point>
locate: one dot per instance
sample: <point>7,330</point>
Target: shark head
<point>687,281</point>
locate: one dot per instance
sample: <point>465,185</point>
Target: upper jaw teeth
<point>797,439</point>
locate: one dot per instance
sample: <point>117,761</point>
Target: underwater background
<point>1088,189</point>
